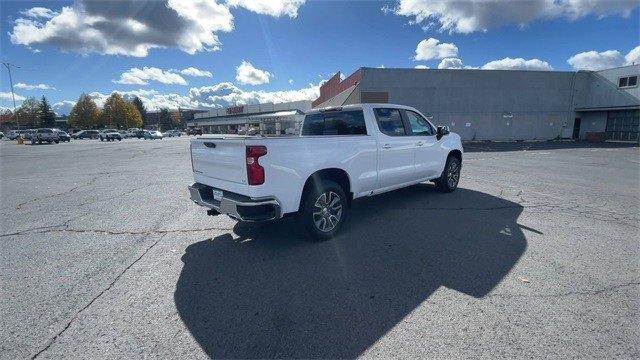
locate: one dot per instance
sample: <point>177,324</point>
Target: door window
<point>419,125</point>
<point>390,122</point>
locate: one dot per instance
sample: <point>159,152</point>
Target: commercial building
<point>266,119</point>
<point>504,104</point>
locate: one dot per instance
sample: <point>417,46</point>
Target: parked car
<point>194,131</point>
<point>28,134</point>
<point>12,134</point>
<point>62,135</point>
<point>110,135</point>
<point>152,135</point>
<point>1,135</point>
<point>136,133</point>
<point>172,133</point>
<point>44,135</point>
<point>86,134</point>
<point>341,154</point>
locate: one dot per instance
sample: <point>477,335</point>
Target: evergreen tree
<point>47,116</point>
<point>137,102</point>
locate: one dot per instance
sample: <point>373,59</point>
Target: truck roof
<point>359,106</point>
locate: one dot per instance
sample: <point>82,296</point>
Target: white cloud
<point>7,96</point>
<point>215,96</point>
<point>431,48</point>
<point>633,57</point>
<point>450,63</point>
<point>191,71</point>
<point>227,94</point>
<point>469,16</point>
<point>133,27</point>
<point>152,99</point>
<point>275,8</point>
<point>517,64</point>
<point>63,107</point>
<point>136,76</point>
<point>39,13</point>
<point>127,27</point>
<point>246,73</point>
<point>290,81</point>
<point>421,67</point>
<point>594,60</point>
<point>502,64</point>
<point>34,87</point>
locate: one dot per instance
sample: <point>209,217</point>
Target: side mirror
<point>442,131</point>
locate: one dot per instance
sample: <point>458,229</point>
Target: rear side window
<point>335,123</point>
<point>390,122</point>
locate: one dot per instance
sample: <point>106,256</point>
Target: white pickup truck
<point>341,154</point>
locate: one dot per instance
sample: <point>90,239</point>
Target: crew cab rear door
<point>220,158</point>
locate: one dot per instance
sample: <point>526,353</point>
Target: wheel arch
<point>336,175</point>
<point>456,153</point>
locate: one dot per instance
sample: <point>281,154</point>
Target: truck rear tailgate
<point>220,158</point>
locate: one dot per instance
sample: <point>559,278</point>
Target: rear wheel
<point>324,210</point>
<point>448,181</point>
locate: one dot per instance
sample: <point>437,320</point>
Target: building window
<point>628,81</point>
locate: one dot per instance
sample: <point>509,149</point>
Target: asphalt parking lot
<point>104,256</point>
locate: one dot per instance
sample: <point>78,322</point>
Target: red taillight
<point>255,172</point>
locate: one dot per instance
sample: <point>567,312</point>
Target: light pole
<point>13,96</point>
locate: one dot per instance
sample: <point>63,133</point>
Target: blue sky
<point>290,46</point>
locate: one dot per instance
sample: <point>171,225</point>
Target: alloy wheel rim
<point>327,211</point>
<point>453,175</point>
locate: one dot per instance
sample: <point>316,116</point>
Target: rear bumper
<point>235,205</point>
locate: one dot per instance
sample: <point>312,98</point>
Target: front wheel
<point>448,181</point>
<point>324,210</point>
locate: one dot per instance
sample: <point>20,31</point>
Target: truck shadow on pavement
<point>270,293</point>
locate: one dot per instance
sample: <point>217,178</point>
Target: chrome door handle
<point>386,146</point>
<point>419,143</point>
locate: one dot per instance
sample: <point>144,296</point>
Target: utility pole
<point>13,95</point>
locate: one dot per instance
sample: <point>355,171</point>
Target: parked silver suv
<point>44,135</point>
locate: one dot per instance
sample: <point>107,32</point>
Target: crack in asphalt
<point>88,183</point>
<point>111,284</point>
<point>107,288</point>
<point>61,228</point>
<point>607,289</point>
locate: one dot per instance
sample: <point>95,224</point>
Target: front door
<point>576,128</point>
<point>395,149</point>
<point>429,155</point>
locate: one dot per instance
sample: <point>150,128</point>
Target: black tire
<point>316,213</point>
<point>450,177</point>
